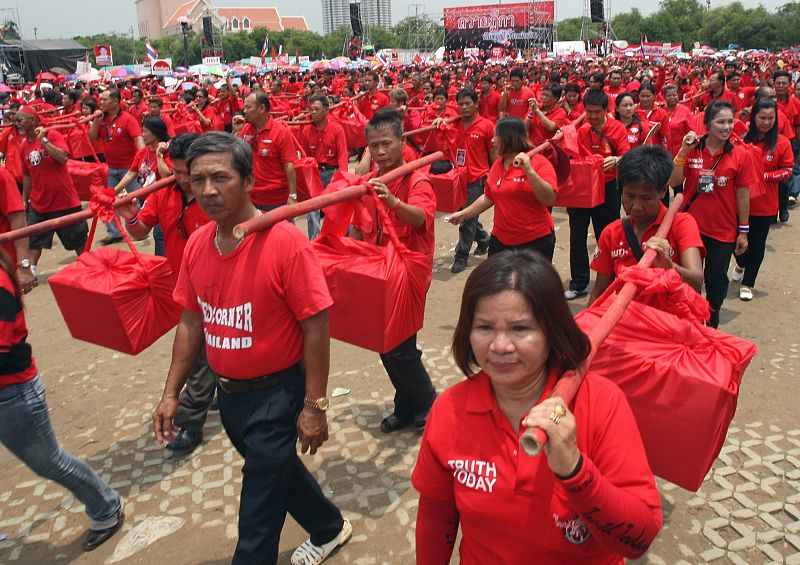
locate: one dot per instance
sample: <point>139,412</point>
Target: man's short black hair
<point>322,99</point>
<point>222,142</point>
<point>386,118</point>
<point>596,98</point>
<point>467,92</point>
<point>179,145</point>
<point>649,165</point>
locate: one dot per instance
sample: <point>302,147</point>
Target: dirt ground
<point>101,403</point>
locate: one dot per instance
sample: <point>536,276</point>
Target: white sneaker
<point>573,294</point>
<point>737,274</point>
<point>746,294</point>
<point>310,554</point>
<point>792,201</point>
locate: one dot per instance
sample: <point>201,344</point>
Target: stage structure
<point>527,25</point>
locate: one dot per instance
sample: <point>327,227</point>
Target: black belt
<point>236,386</point>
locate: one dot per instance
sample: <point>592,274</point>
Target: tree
<point>628,25</point>
<point>569,29</point>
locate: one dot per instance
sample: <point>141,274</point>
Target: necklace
<point>216,238</point>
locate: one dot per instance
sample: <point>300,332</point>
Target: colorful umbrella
<point>46,76</point>
<point>5,88</point>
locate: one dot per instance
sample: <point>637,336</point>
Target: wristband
<point>133,221</point>
<point>531,115</point>
<point>744,229</point>
<point>679,161</point>
<point>574,472</point>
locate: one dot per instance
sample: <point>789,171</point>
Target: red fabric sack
<point>353,122</point>
<point>378,291</point>
<point>585,187</point>
<point>450,189</point>
<point>309,182</point>
<point>117,299</point>
<point>681,379</point>
<point>87,177</point>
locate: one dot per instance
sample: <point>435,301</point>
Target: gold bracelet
<point>679,161</point>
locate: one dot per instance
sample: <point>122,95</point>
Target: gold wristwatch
<point>319,403</point>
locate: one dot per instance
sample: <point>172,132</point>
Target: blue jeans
<point>315,217</point>
<point>26,432</point>
<point>794,182</point>
<point>114,176</point>
<point>158,240</point>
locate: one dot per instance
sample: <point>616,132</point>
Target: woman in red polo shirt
<point>647,110</point>
<point>643,173</point>
<point>718,176</point>
<point>520,194</point>
<point>776,155</point>
<point>637,127</point>
<point>515,336</point>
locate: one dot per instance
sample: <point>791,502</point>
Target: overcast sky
<point>64,18</point>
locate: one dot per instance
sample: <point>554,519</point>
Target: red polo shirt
<point>657,115</point>
<point>273,147</point>
<point>10,202</point>
<point>227,108</point>
<point>611,140</point>
<point>327,145</point>
<point>537,133</point>
<point>138,110</point>
<point>678,127</point>
<point>512,508</point>
<point>178,219</point>
<point>51,186</point>
<point>519,217</point>
<point>473,147</point>
<point>489,105</point>
<point>371,104</point>
<point>792,110</point>
<point>11,147</point>
<point>637,131</point>
<point>716,213</point>
<point>119,139</point>
<point>707,98</point>
<point>517,102</point>
<point>781,158</point>
<point>252,299</point>
<point>743,97</point>
<point>613,252</point>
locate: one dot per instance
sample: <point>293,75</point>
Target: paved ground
<point>745,512</point>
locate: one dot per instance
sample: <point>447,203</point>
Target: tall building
<point>336,14</point>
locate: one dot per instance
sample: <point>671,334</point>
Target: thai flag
<point>152,54</point>
<point>265,48</point>
<point>382,58</point>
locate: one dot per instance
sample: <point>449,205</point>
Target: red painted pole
<point>268,219</point>
<point>534,439</point>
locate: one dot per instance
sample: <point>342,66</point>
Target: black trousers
<point>262,426</point>
<point>751,259</point>
<point>471,231</point>
<point>715,272</point>
<point>196,396</point>
<point>579,218</point>
<point>414,392</point>
<point>545,245</point>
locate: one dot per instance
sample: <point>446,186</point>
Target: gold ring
<point>557,414</point>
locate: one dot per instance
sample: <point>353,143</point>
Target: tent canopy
<point>43,54</point>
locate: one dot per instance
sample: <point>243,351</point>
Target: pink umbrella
<point>5,88</point>
<point>323,64</point>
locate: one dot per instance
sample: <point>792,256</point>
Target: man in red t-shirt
<point>47,187</point>
<point>474,154</point>
<point>411,206</point>
<point>489,101</point>
<point>273,153</point>
<point>714,90</point>
<point>373,100</point>
<point>259,307</point>
<point>11,144</point>
<point>137,106</point>
<point>600,135</point>
<point>543,120</point>
<point>122,138</point>
<point>514,101</point>
<point>12,217</point>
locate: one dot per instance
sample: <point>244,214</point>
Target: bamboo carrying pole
<point>76,217</point>
<point>265,221</point>
<point>534,439</point>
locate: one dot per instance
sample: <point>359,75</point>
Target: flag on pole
<point>152,54</point>
<point>296,55</point>
<point>274,57</point>
<point>265,48</point>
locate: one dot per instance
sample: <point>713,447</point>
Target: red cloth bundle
<point>450,189</point>
<point>585,187</point>
<point>116,299</point>
<point>309,182</point>
<point>378,291</point>
<point>353,122</point>
<point>681,379</point>
<point>87,177</point>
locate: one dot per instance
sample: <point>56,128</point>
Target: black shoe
<point>96,538</point>
<point>784,216</point>
<point>420,420</point>
<point>108,240</point>
<point>481,249</point>
<point>214,404</point>
<point>393,423</point>
<point>458,265</point>
<point>186,442</point>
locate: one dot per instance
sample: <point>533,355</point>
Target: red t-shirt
<point>707,98</point>
<point>657,115</point>
<point>716,213</point>
<point>226,109</point>
<point>11,147</point>
<point>743,97</point>
<point>178,220</point>
<point>51,185</point>
<point>272,147</point>
<point>138,110</point>
<point>253,299</point>
<point>637,131</point>
<point>328,145</point>
<point>368,105</point>
<point>792,110</point>
<point>781,158</point>
<point>473,147</point>
<point>10,202</point>
<point>210,113</point>
<point>119,139</point>
<point>613,252</point>
<point>678,127</point>
<point>519,217</point>
<point>612,140</point>
<point>489,105</point>
<point>16,361</point>
<point>537,133</point>
<point>576,112</point>
<point>517,102</point>
<point>512,508</point>
<point>145,165</point>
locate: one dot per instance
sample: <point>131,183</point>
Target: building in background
<point>376,13</point>
<point>336,14</point>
